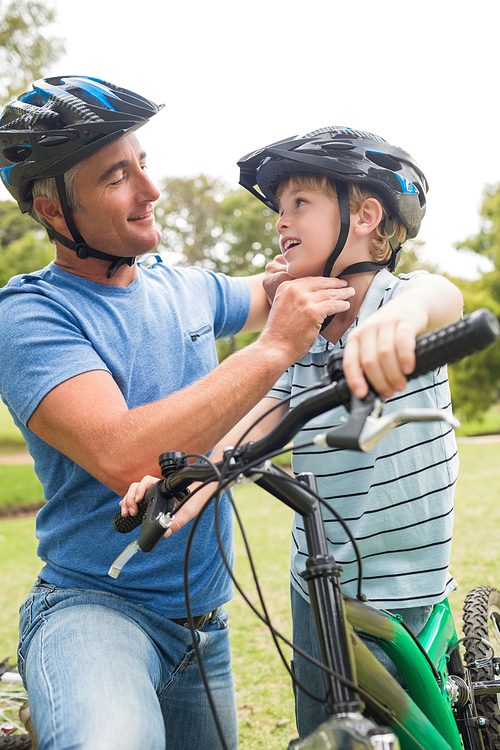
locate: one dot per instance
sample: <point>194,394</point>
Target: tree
<point>24,245</point>
<point>204,223</point>
<point>409,259</point>
<point>25,48</point>
<point>475,381</point>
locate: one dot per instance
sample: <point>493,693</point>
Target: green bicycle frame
<point>422,718</point>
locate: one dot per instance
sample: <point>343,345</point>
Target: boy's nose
<point>281,223</point>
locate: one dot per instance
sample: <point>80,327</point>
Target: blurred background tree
<point>475,381</point>
<point>26,50</point>
<point>205,223</point>
<point>26,46</point>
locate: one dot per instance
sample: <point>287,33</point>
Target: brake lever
<point>366,425</point>
<point>348,434</point>
<point>157,517</point>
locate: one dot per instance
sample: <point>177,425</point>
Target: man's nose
<point>147,186</point>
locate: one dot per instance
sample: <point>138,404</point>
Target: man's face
<point>118,198</point>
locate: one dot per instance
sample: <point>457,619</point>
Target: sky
<point>236,76</point>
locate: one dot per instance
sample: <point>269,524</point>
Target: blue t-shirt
<point>154,337</point>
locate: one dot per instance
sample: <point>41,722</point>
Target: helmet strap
<point>393,242</point>
<point>345,223</point>
<point>79,245</point>
<point>364,266</point>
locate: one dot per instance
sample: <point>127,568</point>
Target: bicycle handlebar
<point>433,350</point>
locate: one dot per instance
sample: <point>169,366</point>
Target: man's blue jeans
<point>105,674</point>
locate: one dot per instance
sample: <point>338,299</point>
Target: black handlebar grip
<point>456,341</point>
<point>125,524</point>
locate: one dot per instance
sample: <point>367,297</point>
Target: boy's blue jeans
<point>105,674</point>
<point>310,713</point>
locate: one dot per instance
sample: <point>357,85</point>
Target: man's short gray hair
<point>48,188</point>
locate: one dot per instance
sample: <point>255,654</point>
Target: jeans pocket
<point>222,618</point>
<point>25,623</point>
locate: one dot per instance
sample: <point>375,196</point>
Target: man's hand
<point>300,306</point>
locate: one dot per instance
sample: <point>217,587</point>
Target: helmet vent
<point>54,140</point>
<point>337,146</point>
<point>16,154</point>
<point>384,160</point>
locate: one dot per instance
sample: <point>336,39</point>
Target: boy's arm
<point>382,348</point>
<point>259,305</point>
<point>263,424</point>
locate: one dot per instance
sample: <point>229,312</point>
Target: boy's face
<point>308,226</point>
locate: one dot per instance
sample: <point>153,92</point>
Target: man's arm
<point>255,425</point>
<point>382,348</point>
<point>87,418</point>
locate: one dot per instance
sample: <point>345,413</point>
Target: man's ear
<point>368,217</point>
<point>50,210</point>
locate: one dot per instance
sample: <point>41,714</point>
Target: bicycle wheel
<point>12,698</point>
<point>15,742</point>
<point>481,619</point>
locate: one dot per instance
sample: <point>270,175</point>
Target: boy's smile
<point>308,226</point>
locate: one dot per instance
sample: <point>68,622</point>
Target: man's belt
<point>198,622</point>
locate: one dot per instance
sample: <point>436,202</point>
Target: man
<point>104,365</point>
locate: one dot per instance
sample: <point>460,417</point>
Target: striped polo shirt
<point>397,499</point>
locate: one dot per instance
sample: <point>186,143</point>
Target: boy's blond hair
<point>380,250</point>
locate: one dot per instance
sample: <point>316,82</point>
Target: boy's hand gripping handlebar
<point>361,431</point>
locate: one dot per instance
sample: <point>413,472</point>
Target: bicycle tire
<point>481,619</point>
<point>15,742</point>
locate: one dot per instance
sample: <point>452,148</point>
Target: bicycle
<point>439,708</point>
<point>446,705</point>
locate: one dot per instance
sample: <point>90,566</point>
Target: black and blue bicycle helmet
<point>345,155</point>
<point>58,124</point>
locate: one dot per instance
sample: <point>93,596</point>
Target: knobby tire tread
<point>480,604</point>
<point>15,742</point>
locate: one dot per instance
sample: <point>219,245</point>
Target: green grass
<point>19,487</point>
<point>10,436</point>
<point>476,549</point>
<point>262,684</point>
<point>488,425</point>
<point>19,566</point>
<point>263,688</point>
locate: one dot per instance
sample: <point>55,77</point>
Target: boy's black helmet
<point>345,155</point>
<point>62,121</point>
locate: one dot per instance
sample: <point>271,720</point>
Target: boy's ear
<point>368,217</point>
<point>50,210</point>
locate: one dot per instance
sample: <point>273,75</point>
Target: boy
<point>347,201</point>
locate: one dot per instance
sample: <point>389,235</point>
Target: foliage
<point>24,245</point>
<point>204,223</point>
<point>410,259</point>
<point>475,381</point>
<point>26,49</point>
